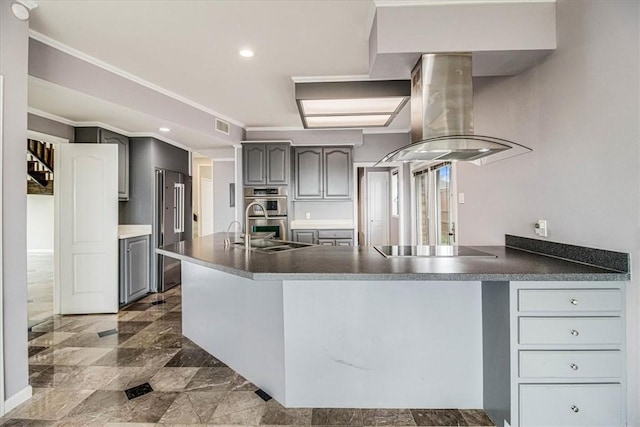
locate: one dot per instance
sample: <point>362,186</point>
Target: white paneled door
<point>86,184</point>
<point>378,212</point>
<point>206,206</point>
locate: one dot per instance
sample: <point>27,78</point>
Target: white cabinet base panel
<point>350,344</point>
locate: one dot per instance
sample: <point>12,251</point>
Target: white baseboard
<point>18,398</point>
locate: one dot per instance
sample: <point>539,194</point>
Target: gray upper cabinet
<point>308,167</point>
<point>104,136</point>
<point>265,164</point>
<point>277,164</point>
<point>322,173</point>
<point>337,173</point>
<point>254,164</point>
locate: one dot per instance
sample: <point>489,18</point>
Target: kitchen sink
<point>273,246</point>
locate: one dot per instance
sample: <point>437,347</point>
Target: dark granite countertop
<point>365,263</point>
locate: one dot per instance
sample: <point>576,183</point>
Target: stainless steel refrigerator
<point>173,222</point>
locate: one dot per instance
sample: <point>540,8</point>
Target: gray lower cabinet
<point>335,237</point>
<point>322,173</point>
<point>305,236</point>
<point>134,268</point>
<point>335,242</point>
<point>104,136</point>
<point>324,237</point>
<point>265,164</point>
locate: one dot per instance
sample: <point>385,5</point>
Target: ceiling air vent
<point>222,126</point>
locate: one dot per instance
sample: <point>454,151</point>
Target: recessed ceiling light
<point>246,53</point>
<point>483,150</point>
<point>164,129</point>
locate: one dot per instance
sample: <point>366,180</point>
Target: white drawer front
<point>570,364</point>
<point>570,330</point>
<point>572,300</point>
<point>570,405</point>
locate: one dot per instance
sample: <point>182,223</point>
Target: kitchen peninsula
<point>347,327</point>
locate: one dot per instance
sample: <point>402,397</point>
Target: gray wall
<point>50,127</point>
<point>325,209</point>
<point>139,208</point>
<point>13,66</point>
<point>55,66</point>
<point>223,175</point>
<point>309,136</point>
<point>376,146</point>
<point>579,111</point>
<point>145,155</point>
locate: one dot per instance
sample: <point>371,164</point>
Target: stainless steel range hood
<point>442,116</point>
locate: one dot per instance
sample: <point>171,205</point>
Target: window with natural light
<point>395,191</point>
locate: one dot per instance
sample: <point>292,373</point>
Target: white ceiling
<point>79,109</point>
<point>191,48</point>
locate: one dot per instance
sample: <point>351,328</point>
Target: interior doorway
<point>203,183</point>
<point>40,227</point>
<point>378,208</point>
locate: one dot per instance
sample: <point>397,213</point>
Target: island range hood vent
<point>442,116</point>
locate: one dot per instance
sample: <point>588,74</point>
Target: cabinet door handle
<point>574,366</point>
<point>575,409</point>
<point>575,333</point>
<point>574,301</point>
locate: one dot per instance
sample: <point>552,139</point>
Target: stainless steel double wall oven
<point>275,201</point>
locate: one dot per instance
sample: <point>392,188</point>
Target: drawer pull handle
<point>575,409</point>
<point>574,366</point>
<point>574,301</point>
<point>575,333</point>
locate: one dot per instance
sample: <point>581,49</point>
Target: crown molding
<point>102,125</point>
<point>126,75</point>
<point>374,131</point>
<point>324,79</point>
<point>274,128</point>
<point>404,3</point>
<point>50,116</point>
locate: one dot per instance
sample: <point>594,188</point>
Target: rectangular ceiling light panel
<point>347,121</point>
<point>351,104</point>
<point>319,107</point>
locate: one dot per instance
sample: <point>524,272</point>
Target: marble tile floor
<point>80,378</point>
<point>39,287</point>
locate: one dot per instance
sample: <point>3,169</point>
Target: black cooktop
<point>431,251</point>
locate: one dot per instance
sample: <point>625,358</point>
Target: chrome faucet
<point>247,234</point>
<point>227,241</point>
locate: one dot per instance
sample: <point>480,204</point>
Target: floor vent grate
<point>263,395</point>
<point>137,391</point>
